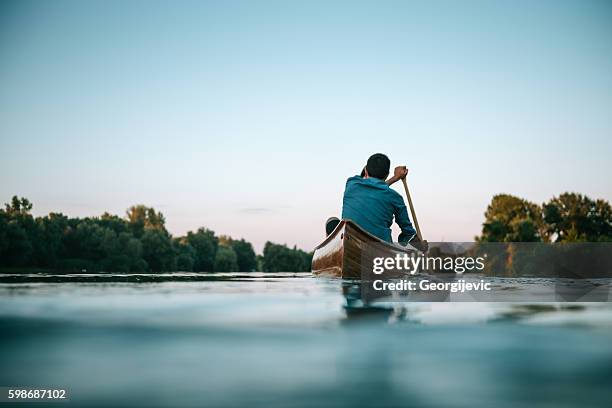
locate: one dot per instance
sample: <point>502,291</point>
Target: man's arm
<point>401,218</point>
<point>399,173</point>
<point>408,234</point>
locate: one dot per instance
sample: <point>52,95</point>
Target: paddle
<point>414,217</point>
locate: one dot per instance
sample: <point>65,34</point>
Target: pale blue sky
<point>247,117</point>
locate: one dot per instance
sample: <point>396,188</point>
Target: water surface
<point>289,340</point>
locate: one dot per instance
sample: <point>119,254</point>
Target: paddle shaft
<point>414,217</point>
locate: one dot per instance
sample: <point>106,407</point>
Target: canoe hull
<point>348,250</point>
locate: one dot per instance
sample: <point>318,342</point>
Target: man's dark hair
<point>378,166</point>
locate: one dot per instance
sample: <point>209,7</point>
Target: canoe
<point>349,249</point>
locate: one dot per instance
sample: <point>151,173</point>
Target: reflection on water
<point>293,340</point>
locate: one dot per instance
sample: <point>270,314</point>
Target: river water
<point>289,340</point>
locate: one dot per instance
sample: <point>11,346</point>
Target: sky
<point>247,117</point>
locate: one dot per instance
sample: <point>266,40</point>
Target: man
<point>372,204</point>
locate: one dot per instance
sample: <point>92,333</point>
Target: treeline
<point>582,224</point>
<point>139,242</point>
<point>570,217</point>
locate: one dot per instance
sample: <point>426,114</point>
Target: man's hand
<point>399,173</point>
<point>421,245</point>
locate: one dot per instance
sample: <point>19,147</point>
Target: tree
<point>141,218</point>
<point>601,217</point>
<point>247,261</point>
<point>186,255</point>
<point>18,248</point>
<point>205,245</point>
<point>4,242</point>
<point>91,237</point>
<point>225,240</point>
<point>130,249</point>
<point>18,207</point>
<point>280,258</point>
<point>19,233</point>
<point>512,219</point>
<point>574,217</point>
<point>226,260</point>
<point>48,245</point>
<point>113,222</point>
<point>245,253</point>
<point>158,251</point>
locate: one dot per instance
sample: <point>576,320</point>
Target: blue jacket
<point>372,204</point>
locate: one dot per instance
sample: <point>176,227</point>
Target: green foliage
<point>205,244</point>
<point>226,259</point>
<point>570,217</point>
<point>137,243</point>
<point>71,244</point>
<point>280,258</point>
<point>245,254</point>
<point>114,222</point>
<point>127,255</point>
<point>141,218</point>
<point>18,233</point>
<point>18,248</point>
<point>48,244</point>
<point>157,250</point>
<point>18,207</point>
<point>573,217</point>
<point>260,262</point>
<point>512,219</point>
<point>4,241</point>
<point>185,255</point>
